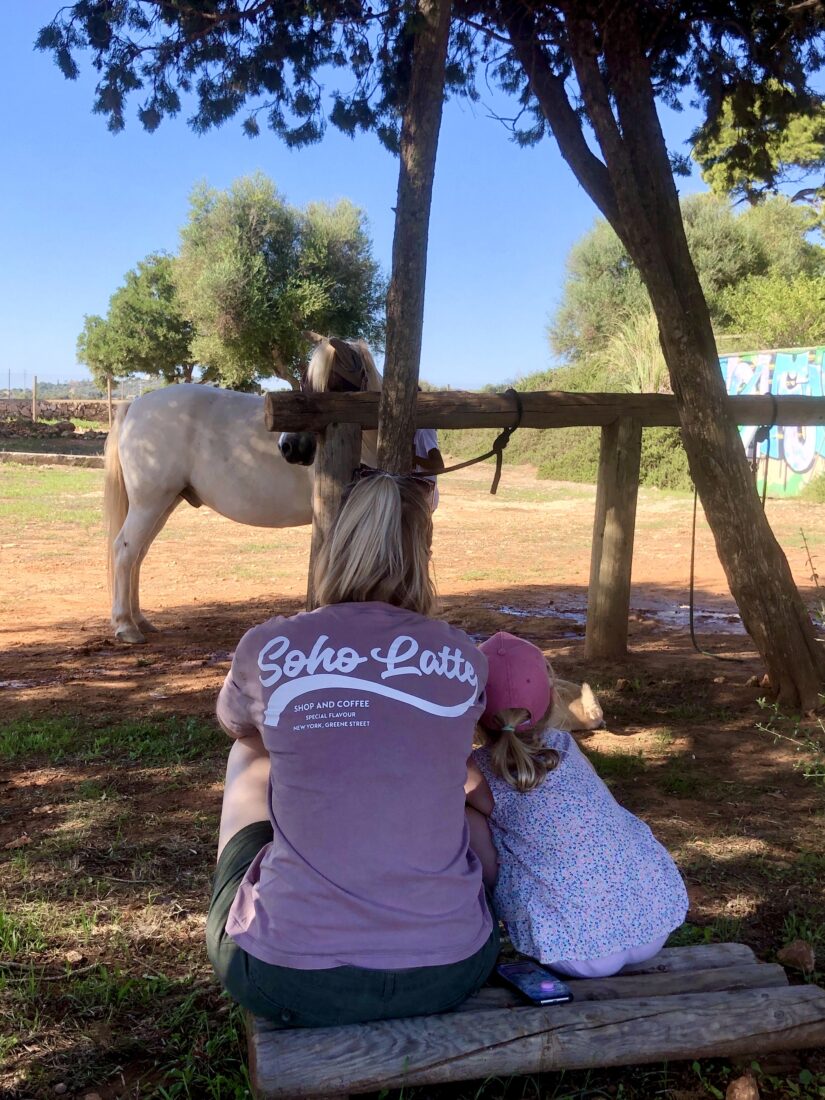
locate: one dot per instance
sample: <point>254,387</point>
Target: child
<point>583,886</point>
<point>427,458</point>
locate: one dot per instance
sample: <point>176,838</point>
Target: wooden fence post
<point>109,397</point>
<point>34,399</point>
<point>611,561</point>
<point>338,454</point>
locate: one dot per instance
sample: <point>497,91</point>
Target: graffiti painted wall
<point>794,455</point>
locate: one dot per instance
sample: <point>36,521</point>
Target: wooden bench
<point>688,1002</point>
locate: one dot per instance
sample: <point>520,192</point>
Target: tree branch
<point>549,90</point>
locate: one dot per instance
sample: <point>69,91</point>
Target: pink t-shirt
<point>368,713</point>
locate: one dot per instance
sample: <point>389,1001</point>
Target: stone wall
<point>57,410</point>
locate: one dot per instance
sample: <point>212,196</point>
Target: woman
<point>345,889</point>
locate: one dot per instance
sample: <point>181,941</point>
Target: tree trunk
<point>420,125</point>
<point>635,190</point>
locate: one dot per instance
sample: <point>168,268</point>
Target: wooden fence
<point>621,416</point>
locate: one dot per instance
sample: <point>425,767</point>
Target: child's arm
<point>432,464</point>
<point>426,455</point>
<point>477,791</point>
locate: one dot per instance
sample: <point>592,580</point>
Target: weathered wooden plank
<point>339,449</point>
<point>437,1049</point>
<point>660,984</point>
<point>611,554</point>
<point>291,411</point>
<point>704,956</point>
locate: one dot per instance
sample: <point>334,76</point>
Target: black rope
<point>761,435</point>
<point>497,449</point>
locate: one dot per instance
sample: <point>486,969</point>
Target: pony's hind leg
<point>138,618</point>
<point>130,545</point>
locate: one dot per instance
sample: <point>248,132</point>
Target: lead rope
<point>761,436</point>
<point>497,449</point>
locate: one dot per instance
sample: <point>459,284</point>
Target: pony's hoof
<point>146,626</point>
<point>129,634</point>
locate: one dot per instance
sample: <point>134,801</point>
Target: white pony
<point>206,446</point>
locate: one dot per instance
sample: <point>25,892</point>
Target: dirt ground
<point>518,561</point>
<point>681,745</point>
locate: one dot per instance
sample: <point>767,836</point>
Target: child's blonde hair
<point>379,547</point>
<point>520,757</point>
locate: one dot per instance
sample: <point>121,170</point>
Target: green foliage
<point>95,348</point>
<point>777,312</point>
<point>814,491</point>
<point>570,454</point>
<point>145,330</point>
<point>604,298</point>
<point>783,230</point>
<point>254,273</point>
<point>794,145</point>
<point>289,65</point>
<point>663,462</point>
<point>633,355</point>
<point>806,739</point>
<point>602,284</point>
<point>722,247</point>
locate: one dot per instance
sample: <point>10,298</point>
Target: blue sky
<point>79,207</point>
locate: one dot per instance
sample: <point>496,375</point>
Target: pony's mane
<point>320,366</point>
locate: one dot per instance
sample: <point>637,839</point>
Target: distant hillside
<point>80,389</point>
<point>572,454</point>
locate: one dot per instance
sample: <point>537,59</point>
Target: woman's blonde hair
<point>520,757</point>
<point>379,546</point>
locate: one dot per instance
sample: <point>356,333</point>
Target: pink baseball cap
<point>517,677</point>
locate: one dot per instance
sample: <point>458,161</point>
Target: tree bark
<point>420,125</point>
<point>642,205</point>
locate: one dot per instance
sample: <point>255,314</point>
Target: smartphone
<point>535,983</point>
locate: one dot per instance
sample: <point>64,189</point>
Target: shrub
<point>814,491</point>
<point>572,454</point>
<point>664,464</point>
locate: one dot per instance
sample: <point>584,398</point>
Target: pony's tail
<point>115,497</point>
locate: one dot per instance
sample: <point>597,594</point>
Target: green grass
<point>810,868</point>
<point>679,779</point>
<point>80,423</point>
<point>616,765</point>
<point>722,930</point>
<point>188,1038</point>
<point>19,935</point>
<point>799,927</point>
<point>152,742</point>
<point>53,496</point>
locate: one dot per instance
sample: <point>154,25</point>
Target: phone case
<point>535,983</point>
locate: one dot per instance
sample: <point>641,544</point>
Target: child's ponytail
<point>519,756</point>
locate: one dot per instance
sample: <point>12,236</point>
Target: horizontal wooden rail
<point>295,412</point>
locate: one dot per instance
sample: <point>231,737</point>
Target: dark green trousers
<point>325,998</point>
